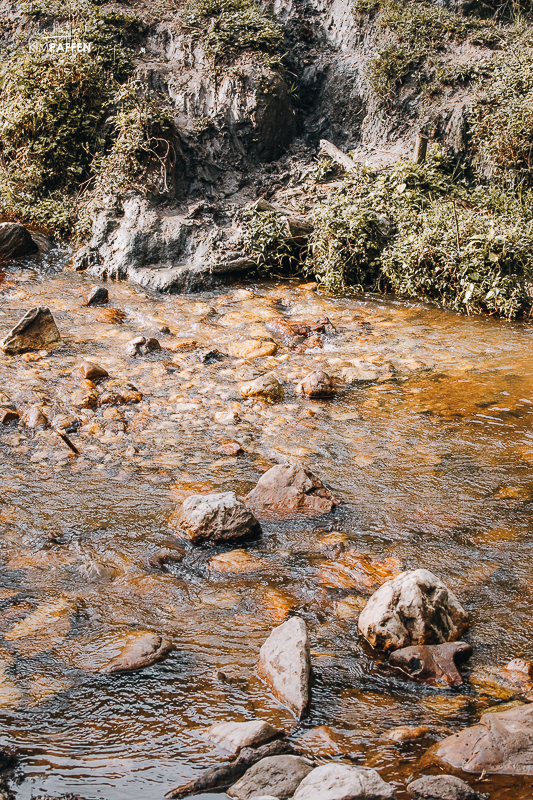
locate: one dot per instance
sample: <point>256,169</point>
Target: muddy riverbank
<point>428,442</point>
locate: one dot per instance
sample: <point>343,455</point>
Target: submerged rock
<point>115,651</point>
<point>501,743</point>
<point>442,787</point>
<point>36,330</point>
<point>86,396</point>
<point>514,679</point>
<point>285,665</point>
<point>15,241</point>
<point>343,782</point>
<point>317,384</point>
<point>216,517</point>
<point>236,561</point>
<point>432,663</point>
<point>233,736</point>
<point>406,733</point>
<point>413,608</point>
<point>253,348</point>
<point>43,629</point>
<point>279,776</point>
<point>289,489</point>
<point>120,393</point>
<point>266,387</point>
<point>97,296</point>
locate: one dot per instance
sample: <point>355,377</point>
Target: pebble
<point>92,372</point>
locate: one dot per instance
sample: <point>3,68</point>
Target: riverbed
<point>428,443</point>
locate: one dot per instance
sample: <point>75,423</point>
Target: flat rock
<point>279,776</point>
<point>216,517</point>
<point>432,663</point>
<point>36,330</point>
<point>501,744</point>
<point>266,387</point>
<point>406,733</point>
<point>285,665</point>
<point>442,787</point>
<point>115,651</point>
<point>92,372</point>
<point>317,384</point>
<point>413,608</point>
<point>15,241</point>
<point>290,489</point>
<point>42,629</point>
<point>233,736</point>
<point>238,561</point>
<point>253,348</point>
<point>515,679</point>
<point>341,782</point>
<point>98,295</point>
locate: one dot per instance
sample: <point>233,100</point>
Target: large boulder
<point>290,489</point>
<point>216,517</point>
<point>285,664</point>
<point>15,241</point>
<point>279,776</point>
<point>442,787</point>
<point>36,330</point>
<point>341,782</point>
<point>501,743</point>
<point>413,608</point>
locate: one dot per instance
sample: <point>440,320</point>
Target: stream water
<point>432,460</point>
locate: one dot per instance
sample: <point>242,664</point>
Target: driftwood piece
<point>337,155</point>
<point>219,778</point>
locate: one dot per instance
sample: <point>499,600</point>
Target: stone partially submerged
<point>233,736</point>
<point>442,787</point>
<point>15,241</point>
<point>35,331</point>
<point>115,651</point>
<point>432,663</point>
<point>342,782</point>
<point>285,664</point>
<point>290,490</point>
<point>216,517</point>
<point>413,608</point>
<point>500,744</point>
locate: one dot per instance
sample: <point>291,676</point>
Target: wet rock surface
<point>122,651</point>
<point>15,241</point>
<point>285,665</point>
<point>266,387</point>
<point>432,663</point>
<point>37,329</point>
<point>279,776</point>
<point>216,518</point>
<point>233,736</point>
<point>317,384</point>
<point>290,489</point>
<point>413,608</point>
<point>97,296</point>
<point>442,787</point>
<point>501,743</point>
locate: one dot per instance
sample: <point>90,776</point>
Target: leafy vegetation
<point>416,31</point>
<point>416,230</point>
<point>75,126</point>
<point>229,27</point>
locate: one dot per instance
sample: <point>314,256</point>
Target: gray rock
<point>36,330</point>
<point>413,608</point>
<point>442,787</point>
<point>216,518</point>
<point>342,782</point>
<point>98,296</point>
<point>501,744</point>
<point>285,664</point>
<point>277,775</point>
<point>233,736</point>
<point>290,489</point>
<point>15,241</point>
<point>266,387</point>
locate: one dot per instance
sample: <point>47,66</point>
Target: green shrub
<point>229,27</point>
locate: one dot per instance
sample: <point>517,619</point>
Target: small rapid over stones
<point>335,444</point>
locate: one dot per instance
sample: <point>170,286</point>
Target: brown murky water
<point>432,459</point>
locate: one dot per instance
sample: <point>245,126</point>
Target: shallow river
<point>432,460</point>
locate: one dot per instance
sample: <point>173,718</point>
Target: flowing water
<point>432,460</point>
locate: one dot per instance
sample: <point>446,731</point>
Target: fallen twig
<point>68,442</point>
